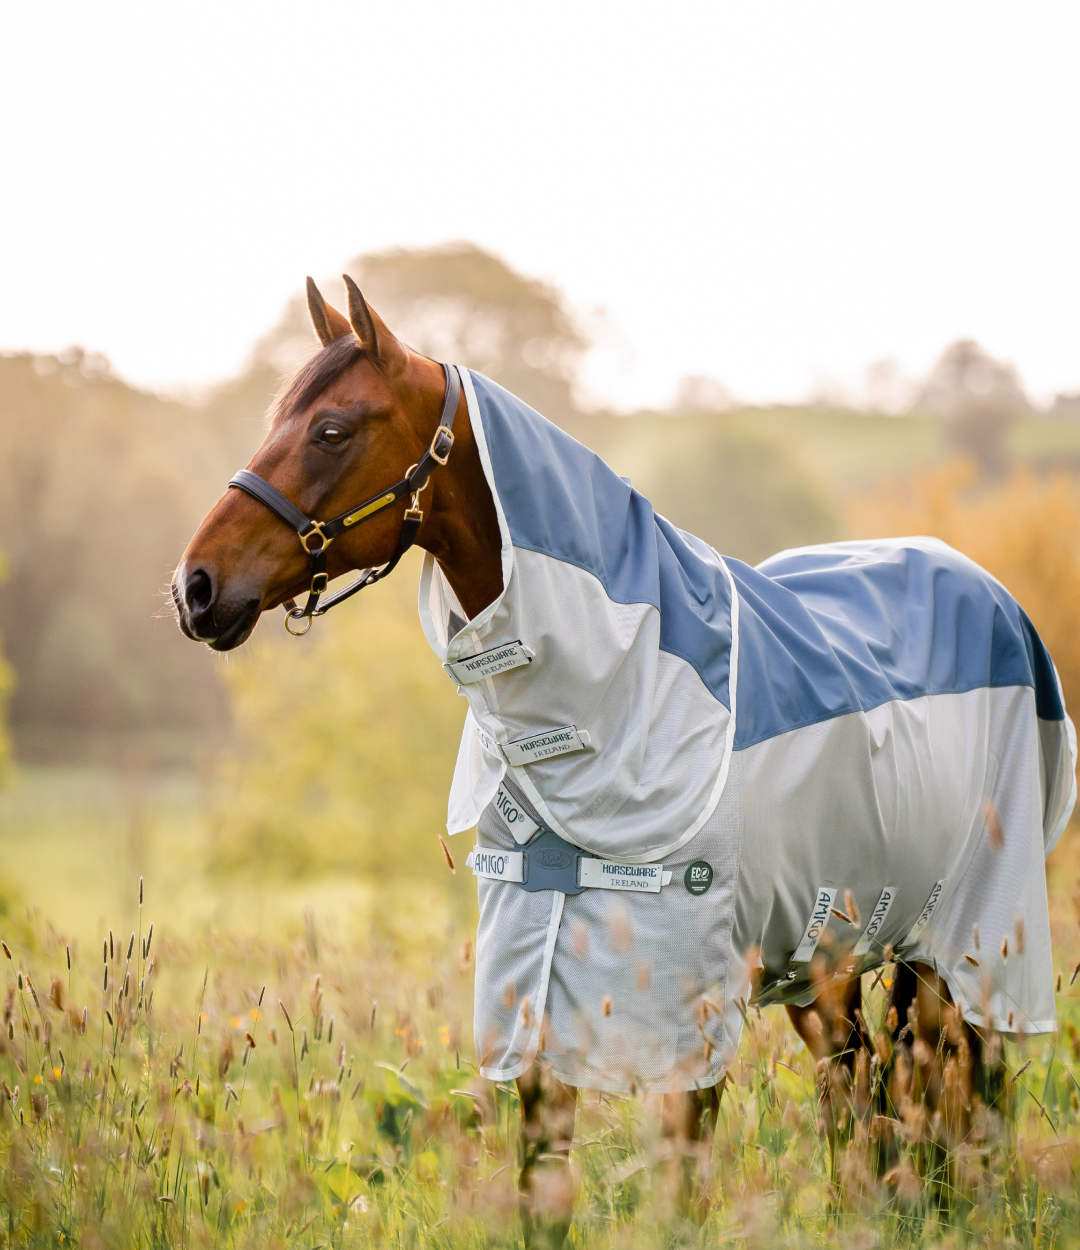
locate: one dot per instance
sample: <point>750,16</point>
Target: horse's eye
<point>332,435</point>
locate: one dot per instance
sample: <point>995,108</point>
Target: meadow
<point>237,968</point>
<point>300,1084</point>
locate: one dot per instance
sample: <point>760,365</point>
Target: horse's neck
<point>462,529</point>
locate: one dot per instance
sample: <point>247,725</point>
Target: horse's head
<point>348,424</point>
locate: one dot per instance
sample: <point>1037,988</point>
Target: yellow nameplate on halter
<point>368,509</point>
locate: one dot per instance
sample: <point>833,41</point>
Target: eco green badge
<point>698,877</point>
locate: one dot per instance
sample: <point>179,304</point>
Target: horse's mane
<point>314,376</point>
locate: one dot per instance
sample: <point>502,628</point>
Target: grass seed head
<point>7,952</point>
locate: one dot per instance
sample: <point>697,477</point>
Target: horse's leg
<point>548,1109</point>
<point>831,1027</point>
<point>688,1121</point>
<point>946,1052</point>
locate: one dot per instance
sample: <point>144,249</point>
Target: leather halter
<point>324,532</point>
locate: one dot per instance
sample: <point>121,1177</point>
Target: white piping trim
<point>532,1047</point>
<point>453,649</point>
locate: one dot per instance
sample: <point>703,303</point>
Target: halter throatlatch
<point>316,536</point>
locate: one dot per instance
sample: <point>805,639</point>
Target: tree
<point>463,305</point>
<point>979,399</point>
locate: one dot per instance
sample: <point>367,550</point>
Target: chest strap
<point>549,862</point>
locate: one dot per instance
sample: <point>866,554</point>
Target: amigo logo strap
<point>514,816</point>
<point>877,919</point>
<point>816,925</point>
<point>930,906</point>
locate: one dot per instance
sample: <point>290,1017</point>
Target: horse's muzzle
<point>206,617</point>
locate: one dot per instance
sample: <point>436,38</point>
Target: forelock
<point>314,376</point>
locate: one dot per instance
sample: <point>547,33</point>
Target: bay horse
<point>697,786</point>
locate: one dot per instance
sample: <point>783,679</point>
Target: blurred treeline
<point>336,752</point>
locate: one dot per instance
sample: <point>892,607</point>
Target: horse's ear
<point>328,322</point>
<point>363,324</point>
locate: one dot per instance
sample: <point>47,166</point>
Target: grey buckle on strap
<point>551,863</point>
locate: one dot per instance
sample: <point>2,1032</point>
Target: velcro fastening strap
<point>605,874</point>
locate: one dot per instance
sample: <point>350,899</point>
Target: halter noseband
<point>326,531</point>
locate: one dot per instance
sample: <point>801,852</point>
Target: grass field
<point>292,1065</point>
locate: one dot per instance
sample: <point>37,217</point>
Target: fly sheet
<point>723,752</point>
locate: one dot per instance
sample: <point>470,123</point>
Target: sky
<point>774,194</point>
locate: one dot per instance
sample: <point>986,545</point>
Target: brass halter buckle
<point>308,535</point>
<point>444,438</point>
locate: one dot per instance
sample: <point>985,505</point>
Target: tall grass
<point>303,1092</point>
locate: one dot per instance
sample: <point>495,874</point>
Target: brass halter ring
<point>297,614</point>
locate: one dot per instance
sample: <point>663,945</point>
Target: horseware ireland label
<point>602,874</point>
<point>489,663</point>
<point>815,927</point>
<point>928,910</point>
<point>542,746</point>
<point>514,816</point>
<point>877,919</point>
<point>496,865</point>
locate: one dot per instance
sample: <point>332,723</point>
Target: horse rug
<point>722,755</point>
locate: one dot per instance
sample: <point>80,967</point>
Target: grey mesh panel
<point>663,960</point>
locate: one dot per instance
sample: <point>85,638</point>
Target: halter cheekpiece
<point>324,532</point>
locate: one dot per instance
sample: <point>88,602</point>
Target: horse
<point>697,786</point>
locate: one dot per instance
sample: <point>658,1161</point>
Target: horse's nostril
<point>198,592</point>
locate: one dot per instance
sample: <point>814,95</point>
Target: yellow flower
<point>255,1014</point>
<point>38,1080</point>
<point>235,1022</point>
<point>57,1073</point>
